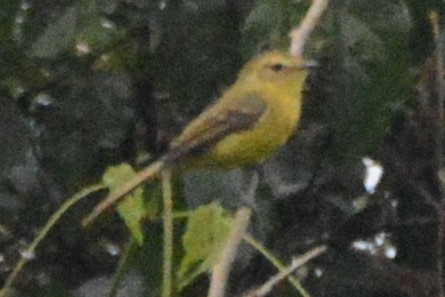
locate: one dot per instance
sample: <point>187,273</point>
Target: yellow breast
<point>273,129</point>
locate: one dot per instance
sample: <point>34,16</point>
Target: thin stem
<point>168,232</point>
<point>123,266</point>
<point>44,232</point>
<point>221,270</point>
<point>277,263</point>
<point>142,176</point>
<point>297,262</point>
<point>300,35</point>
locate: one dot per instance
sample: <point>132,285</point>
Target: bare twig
<point>300,35</point>
<point>297,262</point>
<point>143,175</point>
<point>221,270</point>
<point>168,232</point>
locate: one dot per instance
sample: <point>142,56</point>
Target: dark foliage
<point>89,84</point>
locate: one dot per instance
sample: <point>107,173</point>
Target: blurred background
<point>88,84</point>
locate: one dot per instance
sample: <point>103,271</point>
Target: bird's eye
<point>277,67</point>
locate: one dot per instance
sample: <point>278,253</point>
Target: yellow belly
<point>254,145</point>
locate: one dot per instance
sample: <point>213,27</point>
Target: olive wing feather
<point>214,124</point>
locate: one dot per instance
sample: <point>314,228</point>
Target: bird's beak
<point>308,65</point>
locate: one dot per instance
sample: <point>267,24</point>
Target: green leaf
<point>203,241</point>
<point>115,176</point>
<point>132,211</point>
<point>134,208</point>
<point>131,208</point>
<point>138,208</point>
<point>58,36</point>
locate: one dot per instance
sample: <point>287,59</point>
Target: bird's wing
<point>214,124</point>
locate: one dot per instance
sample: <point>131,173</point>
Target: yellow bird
<point>251,120</point>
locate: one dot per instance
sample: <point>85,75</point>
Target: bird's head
<point>275,67</point>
